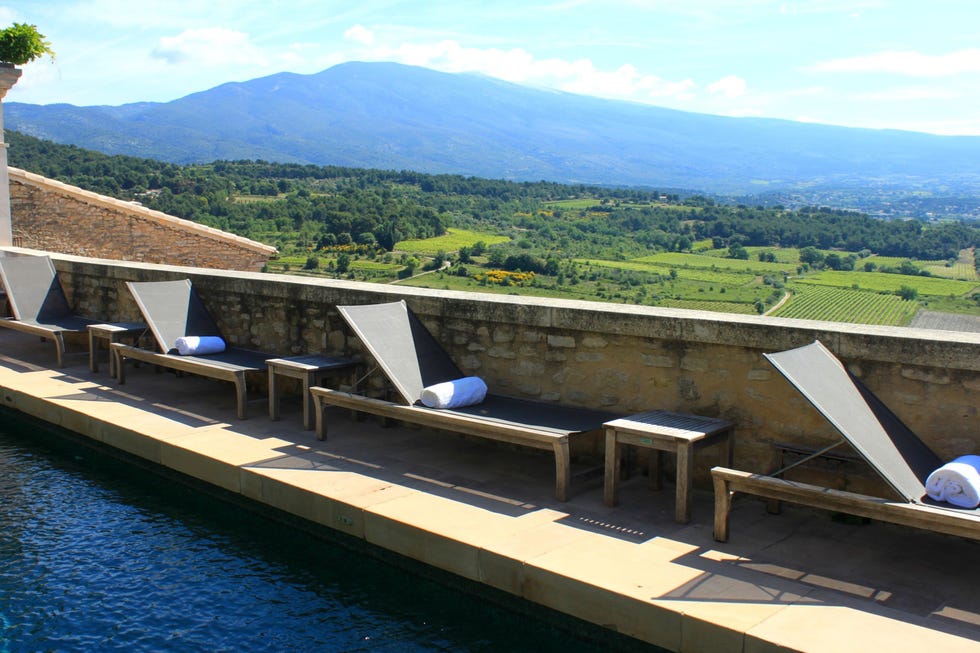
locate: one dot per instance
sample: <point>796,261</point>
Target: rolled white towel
<point>458,393</point>
<point>199,345</point>
<point>957,482</point>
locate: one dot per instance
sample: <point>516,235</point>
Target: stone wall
<point>52,216</point>
<point>617,357</point>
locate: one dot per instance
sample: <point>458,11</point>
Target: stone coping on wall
<point>137,210</point>
<point>902,345</point>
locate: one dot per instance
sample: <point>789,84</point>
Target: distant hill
<point>391,116</point>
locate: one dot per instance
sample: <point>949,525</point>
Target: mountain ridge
<point>392,116</point>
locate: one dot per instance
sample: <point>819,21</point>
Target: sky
<point>883,64</point>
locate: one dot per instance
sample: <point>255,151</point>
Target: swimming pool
<point>97,554</point>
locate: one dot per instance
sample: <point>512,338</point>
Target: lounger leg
<point>241,393</point>
<point>321,423</point>
<point>723,506</point>
<point>563,469</point>
<point>120,364</point>
<point>59,344</point>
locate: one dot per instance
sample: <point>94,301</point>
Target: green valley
<point>626,245</point>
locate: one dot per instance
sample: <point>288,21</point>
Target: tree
<point>496,257</point>
<point>343,263</point>
<point>908,267</point>
<point>312,263</point>
<point>737,251</point>
<point>811,256</point>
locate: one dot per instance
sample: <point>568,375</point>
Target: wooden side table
<point>664,431</point>
<point>308,369</point>
<point>110,332</point>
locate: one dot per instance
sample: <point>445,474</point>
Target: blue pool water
<point>99,555</point>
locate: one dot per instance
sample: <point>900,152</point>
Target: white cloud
<point>910,94</point>
<point>360,34</point>
<point>730,86</point>
<point>913,64</point>
<point>209,46</point>
<point>519,66</point>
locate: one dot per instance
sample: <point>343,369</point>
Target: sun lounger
<point>412,359</point>
<point>172,310</point>
<point>37,301</point>
<point>874,432</point>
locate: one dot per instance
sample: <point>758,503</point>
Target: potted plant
<point>22,43</point>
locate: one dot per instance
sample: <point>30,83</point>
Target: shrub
<point>908,293</point>
<point>22,43</point>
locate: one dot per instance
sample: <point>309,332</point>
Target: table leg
<point>655,469</point>
<point>308,379</point>
<point>93,364</point>
<point>685,475</point>
<point>273,394</point>
<point>612,468</point>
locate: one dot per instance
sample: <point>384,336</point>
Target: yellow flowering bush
<point>504,277</point>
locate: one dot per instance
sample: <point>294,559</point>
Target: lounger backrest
<point>172,309</point>
<point>409,355</point>
<point>33,290</point>
<point>890,447</point>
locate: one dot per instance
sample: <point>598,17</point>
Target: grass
<point>450,242</point>
<point>740,308</point>
<point>376,266</point>
<point>573,205</point>
<point>680,259</point>
<point>690,274</point>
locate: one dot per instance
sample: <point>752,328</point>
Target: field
<point>957,270</point>
<point>882,282</point>
<point>854,306</point>
<point>451,242</point>
<point>963,268</point>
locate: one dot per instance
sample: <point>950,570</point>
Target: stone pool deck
<point>799,581</point>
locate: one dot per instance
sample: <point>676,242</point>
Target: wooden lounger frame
<point>509,432</point>
<point>729,481</point>
<point>212,369</point>
<point>56,335</point>
<point>30,285</point>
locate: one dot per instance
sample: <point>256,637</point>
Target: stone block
<point>566,342</point>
